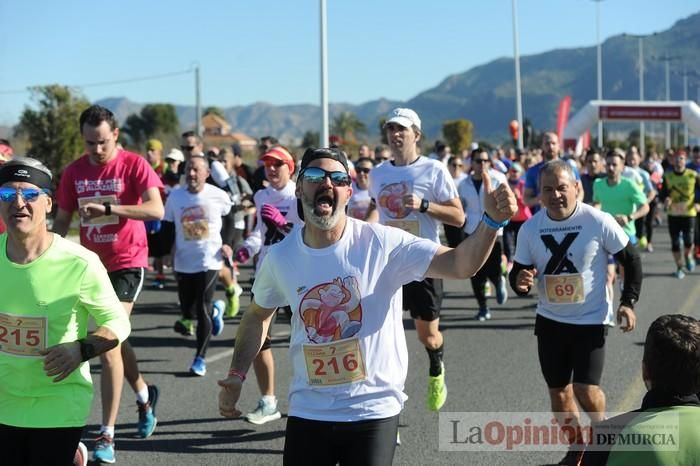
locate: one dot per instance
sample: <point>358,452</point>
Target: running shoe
<point>689,263</point>
<point>488,291</point>
<point>81,455</point>
<point>501,291</point>
<point>437,391</point>
<point>217,317</point>
<point>649,248</point>
<point>198,367</point>
<point>398,438</point>
<point>643,243</point>
<point>159,282</point>
<point>147,413</point>
<point>234,300</point>
<point>184,327</point>
<point>265,412</point>
<point>483,314</point>
<point>679,274</point>
<point>104,449</point>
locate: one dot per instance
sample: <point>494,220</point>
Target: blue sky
<point>268,50</point>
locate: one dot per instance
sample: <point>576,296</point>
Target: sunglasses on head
<point>318,175</point>
<point>363,170</point>
<point>28,194</point>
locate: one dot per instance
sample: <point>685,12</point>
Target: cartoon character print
<point>391,199</point>
<point>194,223</point>
<point>332,311</point>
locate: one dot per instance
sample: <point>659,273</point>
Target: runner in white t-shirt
<point>343,279</point>
<point>566,246</point>
<point>276,213</point>
<point>358,205</point>
<point>195,214</point>
<point>417,194</point>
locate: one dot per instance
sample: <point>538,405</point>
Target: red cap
<point>279,153</point>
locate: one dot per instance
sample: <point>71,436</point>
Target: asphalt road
<point>491,367</point>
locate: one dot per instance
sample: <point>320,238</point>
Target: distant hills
<point>485,94</point>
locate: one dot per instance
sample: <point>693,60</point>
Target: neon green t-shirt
<point>622,199</point>
<point>44,303</point>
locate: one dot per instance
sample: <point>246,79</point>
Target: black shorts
<point>680,227</point>
<point>564,349</point>
<point>27,446</point>
<point>127,283</point>
<point>423,299</point>
<point>362,443</point>
<point>156,246</point>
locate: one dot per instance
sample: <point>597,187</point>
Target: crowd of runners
<point>342,243</point>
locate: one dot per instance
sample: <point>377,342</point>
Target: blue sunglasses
<point>318,175</point>
<point>28,194</point>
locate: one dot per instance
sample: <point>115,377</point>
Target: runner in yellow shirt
<point>46,389</point>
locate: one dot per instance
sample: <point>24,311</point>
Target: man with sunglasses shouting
<point>417,194</point>
<point>342,278</point>
<point>276,213</point>
<point>46,389</point>
<point>114,191</point>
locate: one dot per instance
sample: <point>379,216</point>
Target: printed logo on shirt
<point>114,185</point>
<point>332,311</point>
<point>391,199</point>
<point>559,263</point>
<point>194,223</point>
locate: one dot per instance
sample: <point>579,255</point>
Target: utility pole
<point>324,77</point>
<point>197,103</point>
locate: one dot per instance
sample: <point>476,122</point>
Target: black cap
<point>332,153</point>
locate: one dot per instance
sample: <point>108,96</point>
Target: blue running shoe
<point>501,291</point>
<point>104,449</point>
<point>199,366</point>
<point>147,413</point>
<point>217,317</point>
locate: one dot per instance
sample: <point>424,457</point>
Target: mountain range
<point>485,94</point>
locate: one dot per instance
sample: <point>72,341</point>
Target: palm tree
<point>348,127</point>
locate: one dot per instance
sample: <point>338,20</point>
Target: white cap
<point>474,146</point>
<point>404,117</point>
<point>175,154</point>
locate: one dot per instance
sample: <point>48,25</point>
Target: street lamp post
<point>668,59</point>
<point>518,91</point>
<point>642,128</point>
<point>599,67</point>
<point>324,76</point>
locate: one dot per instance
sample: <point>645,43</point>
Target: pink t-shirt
<point>120,242</point>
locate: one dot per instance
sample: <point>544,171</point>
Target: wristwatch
<point>87,350</point>
<point>424,204</point>
<point>108,208</point>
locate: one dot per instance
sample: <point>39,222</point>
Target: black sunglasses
<point>187,148</point>
<point>318,175</point>
<point>363,170</point>
<point>481,160</point>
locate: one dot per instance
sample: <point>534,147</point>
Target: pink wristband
<point>236,373</point>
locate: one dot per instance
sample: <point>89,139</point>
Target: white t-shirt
<point>473,201</point>
<point>427,178</point>
<point>359,202</point>
<point>571,258</point>
<point>197,219</point>
<point>347,316</point>
<point>261,238</point>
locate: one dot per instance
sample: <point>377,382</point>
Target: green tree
<point>347,126</point>
<point>52,129</point>
<point>215,110</point>
<point>310,139</point>
<point>154,121</point>
<point>458,134</point>
<point>382,132</point>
